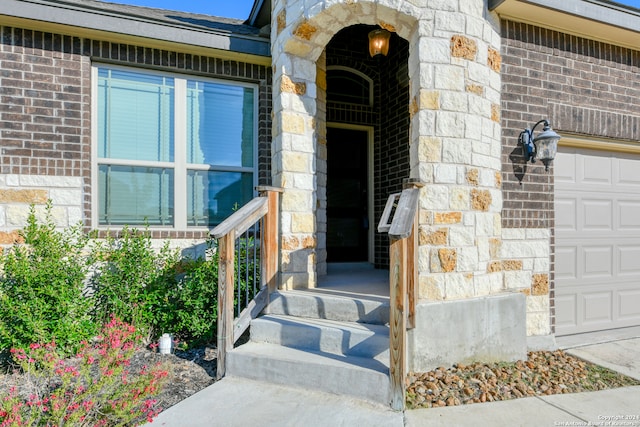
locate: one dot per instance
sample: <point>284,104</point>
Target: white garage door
<point>597,206</point>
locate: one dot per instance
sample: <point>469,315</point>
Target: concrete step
<point>327,336</point>
<point>346,375</point>
<point>321,305</point>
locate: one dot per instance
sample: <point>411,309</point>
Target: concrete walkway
<point>240,402</point>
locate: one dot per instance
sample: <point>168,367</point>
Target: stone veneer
<point>454,138</point>
<point>19,192</point>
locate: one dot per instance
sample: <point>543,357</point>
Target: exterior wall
<point>583,87</point>
<point>454,141</point>
<point>45,120</point>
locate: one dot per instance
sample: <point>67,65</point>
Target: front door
<point>347,195</point>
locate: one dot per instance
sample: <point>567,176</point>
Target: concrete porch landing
<point>359,279</point>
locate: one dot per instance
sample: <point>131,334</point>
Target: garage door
<point>597,206</point>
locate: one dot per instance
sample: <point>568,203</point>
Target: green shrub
<point>131,279</point>
<point>42,287</point>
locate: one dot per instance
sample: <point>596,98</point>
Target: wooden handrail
<point>400,220</point>
<point>263,208</point>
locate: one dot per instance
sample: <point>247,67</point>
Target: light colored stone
<point>293,123</point>
<point>435,197</point>
<point>537,303</point>
<point>296,201</point>
<point>449,77</point>
<point>517,279</point>
<point>459,198</point>
<point>461,236</point>
<point>538,233</point>
<point>445,174</point>
<point>287,85</point>
<point>303,222</point>
<point>296,162</point>
<point>437,49</point>
<point>467,259</point>
<point>430,99</point>
<point>524,249</point>
<point>429,149</point>
<point>45,181</point>
<point>297,47</point>
<point>66,197</point>
<point>513,233</point>
<point>538,324</point>
<point>459,286</point>
<point>431,289</point>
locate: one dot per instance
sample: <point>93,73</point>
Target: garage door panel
<point>597,253</point>
<point>565,167</point>
<point>629,215</point>
<point>597,307</point>
<point>598,215</point>
<point>597,261</point>
<point>566,262</point>
<point>628,172</point>
<point>566,312</point>
<point>629,301</point>
<point>566,214</point>
<point>595,170</point>
<point>629,260</point>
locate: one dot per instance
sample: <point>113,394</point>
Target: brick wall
<point>583,87</point>
<point>45,104</point>
<point>389,115</point>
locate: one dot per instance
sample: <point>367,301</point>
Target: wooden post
<point>397,322</point>
<point>270,252</point>
<point>412,254</point>
<point>226,250</point>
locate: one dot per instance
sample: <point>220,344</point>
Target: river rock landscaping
<point>543,373</point>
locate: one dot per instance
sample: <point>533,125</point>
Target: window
<point>348,85</point>
<point>171,150</point>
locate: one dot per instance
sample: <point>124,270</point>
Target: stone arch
<point>299,39</point>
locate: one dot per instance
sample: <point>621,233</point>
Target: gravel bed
<point>543,373</point>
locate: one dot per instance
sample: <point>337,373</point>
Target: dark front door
<point>347,198</point>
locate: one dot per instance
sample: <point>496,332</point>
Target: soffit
<point>189,33</point>
<point>597,20</point>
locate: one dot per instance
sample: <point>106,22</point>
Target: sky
<point>239,9</point>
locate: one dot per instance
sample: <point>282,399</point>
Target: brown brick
<point>463,47</point>
<point>437,237</point>
<point>447,217</point>
<point>480,200</point>
<point>10,238</point>
<point>448,259</point>
<point>305,30</point>
<point>512,265</point>
<point>472,176</point>
<point>287,85</point>
<point>540,284</point>
<point>23,196</point>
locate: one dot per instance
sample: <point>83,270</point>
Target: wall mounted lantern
<point>542,147</point>
<point>379,42</point>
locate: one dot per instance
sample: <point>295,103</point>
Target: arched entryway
<point>367,118</point>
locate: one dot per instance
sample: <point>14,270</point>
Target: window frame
<point>180,166</point>
<point>358,73</point>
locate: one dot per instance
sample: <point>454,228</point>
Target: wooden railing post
<point>403,279</point>
<point>226,250</point>
<point>271,251</point>
<point>397,321</point>
<point>412,253</point>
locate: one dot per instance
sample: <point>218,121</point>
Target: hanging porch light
<point>379,42</point>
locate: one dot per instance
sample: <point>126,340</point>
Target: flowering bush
<point>98,387</point>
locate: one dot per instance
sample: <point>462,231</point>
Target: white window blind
<point>150,162</point>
